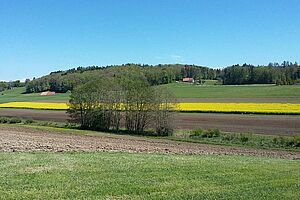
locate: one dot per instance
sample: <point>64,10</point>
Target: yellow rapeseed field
<point>35,105</point>
<point>275,108</point>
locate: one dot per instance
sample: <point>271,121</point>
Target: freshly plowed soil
<point>23,139</point>
<point>238,123</point>
<point>260,124</point>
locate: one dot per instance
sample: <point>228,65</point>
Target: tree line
<point>62,81</point>
<point>111,103</point>
<point>12,84</point>
<point>286,73</point>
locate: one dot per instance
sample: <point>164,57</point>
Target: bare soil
<point>25,139</point>
<point>44,115</point>
<point>238,123</point>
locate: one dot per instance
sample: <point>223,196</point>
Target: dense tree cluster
<point>285,74</point>
<point>62,81</point>
<point>106,103</point>
<point>10,85</point>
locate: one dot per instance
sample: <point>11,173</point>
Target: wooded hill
<point>62,81</point>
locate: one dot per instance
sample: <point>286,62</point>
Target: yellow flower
<point>35,105</point>
<point>272,108</point>
<point>280,108</point>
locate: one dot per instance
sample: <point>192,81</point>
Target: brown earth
<point>24,139</point>
<point>44,115</point>
<point>239,123</point>
<point>260,124</point>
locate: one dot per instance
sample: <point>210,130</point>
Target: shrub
<point>295,141</point>
<point>229,137</point>
<point>15,120</point>
<point>164,131</point>
<point>29,121</point>
<point>280,141</point>
<point>244,139</point>
<point>211,133</point>
<point>197,132</point>
<point>70,125</point>
<point>3,120</point>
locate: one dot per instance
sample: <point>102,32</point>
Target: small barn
<point>47,93</point>
<point>188,80</point>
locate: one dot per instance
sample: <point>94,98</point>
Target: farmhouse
<point>188,80</point>
<point>47,93</point>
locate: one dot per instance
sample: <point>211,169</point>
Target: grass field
<point>182,90</point>
<point>146,176</point>
<point>16,95</point>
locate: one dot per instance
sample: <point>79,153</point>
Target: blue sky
<point>40,36</point>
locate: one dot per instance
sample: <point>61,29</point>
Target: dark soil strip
<point>261,124</point>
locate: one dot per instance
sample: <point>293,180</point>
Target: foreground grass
<point>182,90</point>
<point>146,176</point>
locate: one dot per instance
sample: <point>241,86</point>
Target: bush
<point>164,131</point>
<point>29,121</point>
<point>15,120</point>
<point>280,141</point>
<point>206,134</point>
<point>3,120</point>
<point>212,133</point>
<point>197,132</point>
<point>295,141</point>
<point>244,138</point>
<point>229,137</point>
<point>70,125</point>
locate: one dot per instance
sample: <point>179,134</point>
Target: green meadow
<point>17,95</point>
<point>185,90</point>
<point>181,90</point>
<point>146,176</point>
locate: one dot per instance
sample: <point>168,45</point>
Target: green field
<point>16,95</point>
<point>183,90</point>
<point>146,176</point>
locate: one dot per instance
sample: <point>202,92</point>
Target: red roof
<point>47,93</point>
<point>187,79</point>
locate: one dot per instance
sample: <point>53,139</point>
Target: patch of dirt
<point>44,115</point>
<point>23,139</point>
<point>238,123</point>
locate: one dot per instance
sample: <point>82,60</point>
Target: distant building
<point>188,80</point>
<point>47,93</point>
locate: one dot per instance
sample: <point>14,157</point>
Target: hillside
<point>63,81</point>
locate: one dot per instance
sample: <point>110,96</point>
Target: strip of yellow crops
<point>35,105</point>
<point>241,107</point>
<point>276,108</point>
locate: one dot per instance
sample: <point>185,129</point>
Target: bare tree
<point>101,104</point>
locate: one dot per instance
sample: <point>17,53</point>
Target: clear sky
<point>40,36</point>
